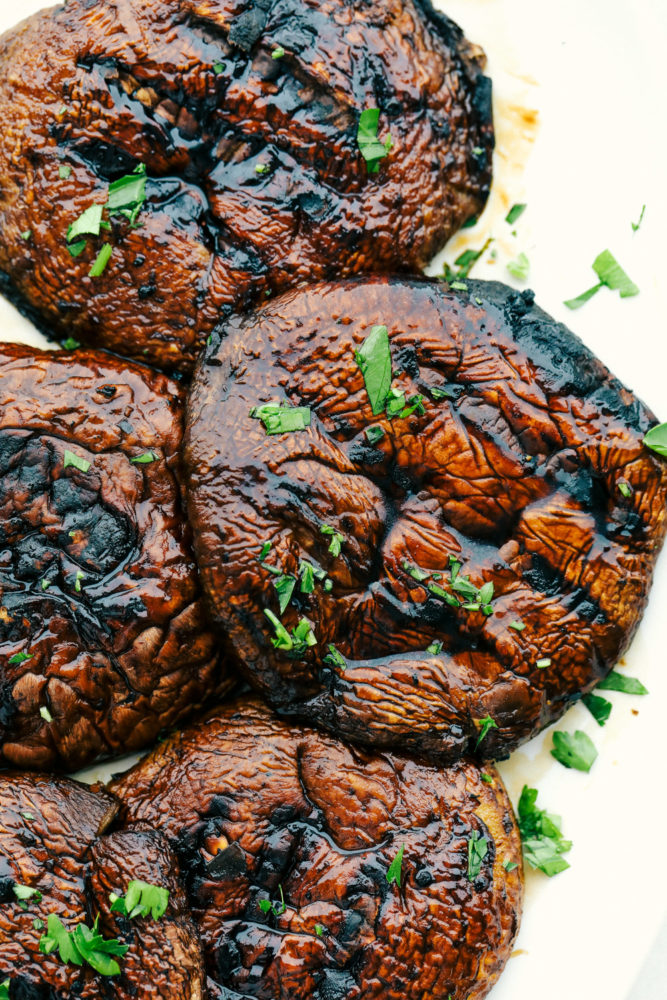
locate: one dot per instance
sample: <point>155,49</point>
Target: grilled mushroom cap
<point>103,640</point>
<point>255,176</point>
<point>482,559</point>
<point>320,872</point>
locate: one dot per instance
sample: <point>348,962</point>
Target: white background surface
<point>593,70</point>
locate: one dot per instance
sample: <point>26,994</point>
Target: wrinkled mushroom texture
<point>103,640</point>
<point>255,177</point>
<point>54,840</point>
<point>262,812</point>
<point>510,466</point>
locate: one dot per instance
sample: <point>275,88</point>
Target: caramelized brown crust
<point>515,473</point>
<point>101,624</point>
<point>256,806</point>
<point>51,840</point>
<point>191,90</point>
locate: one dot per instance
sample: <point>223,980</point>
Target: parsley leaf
<point>434,649</point>
<point>101,261</point>
<point>319,930</point>
<point>368,142</point>
<point>575,750</point>
<point>278,419</point>
<point>478,848</point>
<point>25,892</point>
<point>611,275</point>
<point>89,223</point>
<point>636,225</point>
<point>394,870</point>
<point>64,172</point>
<point>141,900</point>
<point>80,945</point>
<point>374,360</point>
<point>395,403</point>
<point>543,841</point>
<point>336,539</point>
<point>4,990</point>
<point>295,643</point>
<point>70,459</point>
<point>218,68</point>
<point>374,433</point>
<point>278,53</point>
<point>619,682</point>
<point>45,714</point>
<point>128,194</point>
<point>599,708</point>
<point>509,866</point>
<point>517,626</point>
<point>624,488</point>
<point>484,726</point>
<point>520,267</point>
<point>284,588</point>
<point>145,458</point>
<point>543,664</point>
<point>515,212</point>
<point>334,658</point>
<point>266,905</point>
<point>18,658</point>
<point>656,440</point>
<point>266,548</point>
<point>26,234</point>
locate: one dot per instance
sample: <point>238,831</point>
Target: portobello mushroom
<point>317,872</point>
<point>245,118</point>
<point>58,869</point>
<point>400,560</point>
<point>103,638</point>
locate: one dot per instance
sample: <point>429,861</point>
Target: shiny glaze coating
<point>515,473</point>
<point>254,806</point>
<point>100,607</point>
<point>52,840</point>
<point>190,88</point>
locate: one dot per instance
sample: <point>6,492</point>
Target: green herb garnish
<point>25,892</point>
<point>266,905</point>
<point>45,714</point>
<point>18,658</point>
<point>266,548</point>
<point>478,848</point>
<point>517,626</point>
<point>298,641</point>
<point>395,403</point>
<point>543,664</point>
<point>128,194</point>
<point>619,682</point>
<point>374,360</point>
<point>70,344</point>
<point>262,168</point>
<point>484,726</point>
<point>543,841</point>
<point>89,223</point>
<point>145,458</point>
<point>656,440</point>
<point>77,580</point>
<point>636,225</point>
<point>394,870</point>
<point>307,574</point>
<point>4,990</point>
<point>319,930</point>
<point>374,433</point>
<point>218,68</point>
<point>519,268</point>
<point>284,588</point>
<point>278,53</point>
<point>64,172</point>
<point>101,261</point>
<point>439,393</point>
<point>141,900</point>
<point>487,779</point>
<point>575,750</point>
<point>515,212</point>
<point>509,866</point>
<point>336,539</point>
<point>599,708</point>
<point>334,658</point>
<point>278,419</point>
<point>83,944</point>
<point>369,144</point>
<point>624,488</point>
<point>415,404</point>
<point>611,275</point>
<point>458,286</point>
<point>434,649</point>
<point>26,234</point>
<point>70,459</point>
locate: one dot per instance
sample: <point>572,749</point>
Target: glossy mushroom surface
<point>56,859</point>
<point>245,116</point>
<point>485,554</point>
<point>103,638</point>
<point>317,872</point>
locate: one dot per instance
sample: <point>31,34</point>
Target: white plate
<point>591,73</point>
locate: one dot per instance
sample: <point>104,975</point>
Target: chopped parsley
<point>458,286</point>
<point>70,459</point>
<point>370,146</point>
<point>624,488</point>
<point>487,779</point>
<point>336,539</point>
<point>284,588</point>
<point>279,419</point>
<point>599,707</point>
<point>543,664</point>
<point>517,626</point>
<point>415,405</point>
<point>319,930</point>
<point>619,682</point>
<point>434,649</point>
<point>334,658</point>
<point>278,53</point>
<point>218,68</point>
<point>101,261</point>
<point>509,866</point>
<point>484,726</point>
<point>25,892</point>
<point>307,575</point>
<point>266,548</point>
<point>515,213</point>
<point>295,642</point>
<point>656,440</point>
<point>26,234</point>
<point>128,194</point>
<point>374,433</point>
<point>395,868</point>
<point>77,580</point>
<point>478,848</point>
<point>89,223</point>
<point>541,835</point>
<point>266,905</point>
<point>519,268</point>
<point>611,275</point>
<point>636,225</point>
<point>575,750</point>
<point>4,990</point>
<point>83,944</point>
<point>141,900</point>
<point>262,168</point>
<point>70,344</point>
<point>18,658</point>
<point>439,393</point>
<point>45,714</point>
<point>64,172</point>
<point>463,265</point>
<point>145,458</point>
<point>395,403</point>
<point>374,360</point>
